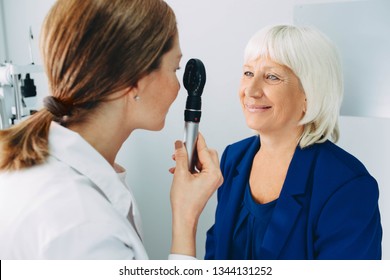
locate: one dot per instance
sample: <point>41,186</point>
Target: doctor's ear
<point>133,93</point>
<point>136,90</point>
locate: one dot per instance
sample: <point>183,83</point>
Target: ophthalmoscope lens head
<point>194,77</point>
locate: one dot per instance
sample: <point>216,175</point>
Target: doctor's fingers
<point>172,170</point>
<point>181,157</point>
<point>208,157</point>
<point>209,161</point>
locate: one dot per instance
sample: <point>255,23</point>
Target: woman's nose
<point>253,89</point>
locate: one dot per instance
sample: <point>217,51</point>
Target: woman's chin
<point>158,127</point>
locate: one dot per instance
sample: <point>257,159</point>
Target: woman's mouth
<point>257,108</point>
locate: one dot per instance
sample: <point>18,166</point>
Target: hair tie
<point>56,107</point>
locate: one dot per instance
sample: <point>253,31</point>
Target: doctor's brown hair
<point>91,49</point>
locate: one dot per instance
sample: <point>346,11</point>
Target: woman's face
<point>271,97</point>
<point>160,89</point>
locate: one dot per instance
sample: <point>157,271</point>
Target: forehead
<point>175,52</point>
<point>264,63</point>
<point>176,45</point>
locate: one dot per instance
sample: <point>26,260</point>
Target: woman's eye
<point>248,74</point>
<point>272,77</point>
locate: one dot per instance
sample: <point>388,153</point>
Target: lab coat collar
<point>69,147</point>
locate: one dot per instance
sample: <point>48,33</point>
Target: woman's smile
<point>252,108</point>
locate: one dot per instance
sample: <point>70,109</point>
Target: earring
<point>136,98</point>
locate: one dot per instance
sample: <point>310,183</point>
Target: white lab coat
<point>74,206</point>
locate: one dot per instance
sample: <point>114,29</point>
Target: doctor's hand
<point>190,193</point>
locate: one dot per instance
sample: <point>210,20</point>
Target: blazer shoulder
<point>340,160</point>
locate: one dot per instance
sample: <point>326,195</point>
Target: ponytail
<point>25,144</point>
<point>90,50</point>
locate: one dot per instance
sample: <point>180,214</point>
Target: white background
<point>216,32</point>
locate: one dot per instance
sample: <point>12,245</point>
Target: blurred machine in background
<point>15,86</point>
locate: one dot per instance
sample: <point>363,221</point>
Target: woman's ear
<point>304,109</point>
<point>133,93</point>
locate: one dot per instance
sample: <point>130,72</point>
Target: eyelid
<point>273,75</point>
<point>273,79</point>
<point>248,73</point>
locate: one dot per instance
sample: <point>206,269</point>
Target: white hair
<point>316,62</point>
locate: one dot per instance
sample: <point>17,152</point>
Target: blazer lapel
<point>236,197</point>
<point>288,208</point>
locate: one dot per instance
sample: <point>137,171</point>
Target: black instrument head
<point>194,77</point>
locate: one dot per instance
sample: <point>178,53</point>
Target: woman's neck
<point>280,143</point>
<point>106,130</point>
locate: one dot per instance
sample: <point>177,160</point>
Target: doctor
<point>111,69</point>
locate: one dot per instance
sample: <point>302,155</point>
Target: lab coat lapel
<point>288,208</point>
<point>70,148</point>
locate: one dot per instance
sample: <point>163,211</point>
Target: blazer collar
<point>298,171</point>
<point>237,189</point>
<point>245,165</point>
<point>288,207</point>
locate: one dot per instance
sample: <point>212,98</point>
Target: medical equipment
<point>194,80</point>
<point>16,85</point>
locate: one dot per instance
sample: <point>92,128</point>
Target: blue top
<point>327,207</point>
<point>250,228</point>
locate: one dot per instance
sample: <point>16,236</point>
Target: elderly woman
<point>290,192</point>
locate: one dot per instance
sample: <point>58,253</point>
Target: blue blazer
<point>327,208</point>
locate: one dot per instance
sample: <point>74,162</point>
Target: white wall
<point>216,32</point>
<point>366,23</point>
<point>3,44</point>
